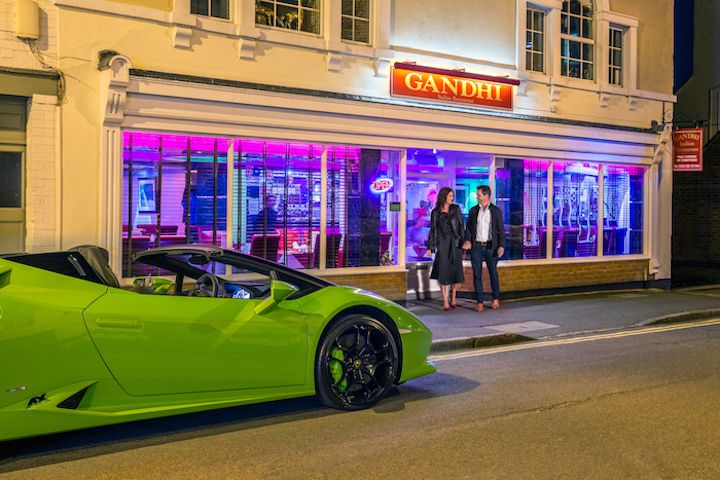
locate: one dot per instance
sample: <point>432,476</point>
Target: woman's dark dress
<point>445,237</point>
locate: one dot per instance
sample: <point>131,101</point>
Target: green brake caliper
<point>336,369</point>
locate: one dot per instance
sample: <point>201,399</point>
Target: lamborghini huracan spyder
<point>210,328</point>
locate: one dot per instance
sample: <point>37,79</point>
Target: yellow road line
<point>570,341</point>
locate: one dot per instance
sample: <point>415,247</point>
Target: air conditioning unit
<point>27,20</point>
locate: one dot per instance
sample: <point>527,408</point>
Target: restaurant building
<point>317,133</point>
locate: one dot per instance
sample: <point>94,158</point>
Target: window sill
<point>215,25</point>
<point>591,86</point>
<point>331,272</point>
<point>290,37</point>
<point>543,261</point>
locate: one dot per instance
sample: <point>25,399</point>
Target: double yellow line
<point>574,340</point>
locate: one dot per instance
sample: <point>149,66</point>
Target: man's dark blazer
<point>497,229</point>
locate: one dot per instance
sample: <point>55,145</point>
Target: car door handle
<point>133,324</point>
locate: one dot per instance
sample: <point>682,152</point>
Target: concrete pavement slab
<point>561,315</point>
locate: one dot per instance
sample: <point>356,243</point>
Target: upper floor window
<point>577,39</point>
<point>356,20</point>
<point>535,41</point>
<point>615,73</point>
<point>299,15</point>
<point>211,8</point>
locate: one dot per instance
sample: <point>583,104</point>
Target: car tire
<point>356,364</point>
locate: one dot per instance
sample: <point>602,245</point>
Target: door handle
<point>132,324</point>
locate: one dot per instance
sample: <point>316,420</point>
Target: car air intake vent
<point>72,402</point>
<point>36,400</point>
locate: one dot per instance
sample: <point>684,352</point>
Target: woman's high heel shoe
<point>453,306</point>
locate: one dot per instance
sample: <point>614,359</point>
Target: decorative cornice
<point>119,68</point>
<point>375,100</point>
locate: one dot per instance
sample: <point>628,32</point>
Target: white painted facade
<point>338,92</point>
<point>39,144</point>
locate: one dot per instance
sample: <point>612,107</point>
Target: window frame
<point>531,12</point>
<point>581,40</point>
<point>209,7</point>
<point>353,18</point>
<point>628,25</point>
<point>320,15</point>
<point>612,67</point>
<point>551,9</point>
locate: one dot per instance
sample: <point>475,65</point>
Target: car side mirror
<point>279,291</point>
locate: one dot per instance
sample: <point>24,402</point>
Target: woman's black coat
<point>455,221</point>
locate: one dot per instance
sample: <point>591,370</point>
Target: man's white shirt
<point>482,233</point>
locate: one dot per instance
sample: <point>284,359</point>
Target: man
<point>266,220</point>
<point>485,238</point>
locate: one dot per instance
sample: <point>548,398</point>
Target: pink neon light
<point>620,169</point>
<point>560,166</point>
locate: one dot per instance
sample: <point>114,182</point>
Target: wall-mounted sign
<point>687,150</point>
<point>410,80</point>
<point>381,185</point>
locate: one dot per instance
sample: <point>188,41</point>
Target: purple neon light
<point>630,170</point>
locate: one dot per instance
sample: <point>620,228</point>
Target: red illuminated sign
<point>381,185</point>
<point>410,80</point>
<point>687,149</point>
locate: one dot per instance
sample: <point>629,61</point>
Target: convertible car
<point>210,328</point>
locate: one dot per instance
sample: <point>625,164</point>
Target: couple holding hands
<point>483,236</point>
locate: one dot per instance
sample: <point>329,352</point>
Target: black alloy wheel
<point>357,363</point>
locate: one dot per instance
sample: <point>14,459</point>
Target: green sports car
<point>212,328</point>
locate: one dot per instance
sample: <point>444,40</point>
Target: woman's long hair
<point>442,197</point>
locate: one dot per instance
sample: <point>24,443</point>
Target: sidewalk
<point>562,315</point>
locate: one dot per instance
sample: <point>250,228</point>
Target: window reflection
<point>623,210</point>
<point>575,209</point>
<point>428,170</point>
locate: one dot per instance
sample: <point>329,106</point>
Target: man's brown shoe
<point>480,307</point>
<point>495,304</point>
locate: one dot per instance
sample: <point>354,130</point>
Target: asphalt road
<point>635,405</point>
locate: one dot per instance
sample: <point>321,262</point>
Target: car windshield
<point>236,275</point>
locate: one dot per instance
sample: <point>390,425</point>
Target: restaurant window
<point>298,15</point>
<point>576,39</point>
<point>535,40</point>
<point>174,192</point>
<point>362,207</point>
<point>616,57</point>
<point>428,170</point>
<point>356,20</point>
<point>211,8</point>
<point>277,191</point>
<point>521,193</point>
<point>575,209</point>
<point>623,210</point>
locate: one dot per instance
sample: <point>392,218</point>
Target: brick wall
<point>16,54</point>
<point>536,277</point>
<point>40,186</point>
<point>394,285</point>
<point>391,285</point>
<point>518,278</point>
<point>696,210</point>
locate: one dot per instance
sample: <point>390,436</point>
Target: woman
<point>445,240</point>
